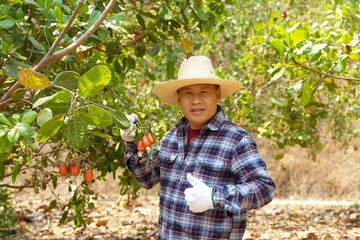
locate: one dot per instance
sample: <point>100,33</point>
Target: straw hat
<point>194,70</point>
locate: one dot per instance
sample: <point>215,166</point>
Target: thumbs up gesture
<point>199,197</point>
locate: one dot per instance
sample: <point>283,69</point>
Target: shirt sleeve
<point>145,169</point>
<point>253,187</point>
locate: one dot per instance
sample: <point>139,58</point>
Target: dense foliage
<point>68,77</point>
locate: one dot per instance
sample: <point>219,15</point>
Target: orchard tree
<point>299,64</point>
<point>70,71</point>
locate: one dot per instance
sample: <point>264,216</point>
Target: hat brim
<point>167,91</point>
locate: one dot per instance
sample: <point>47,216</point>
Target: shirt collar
<point>214,125</point>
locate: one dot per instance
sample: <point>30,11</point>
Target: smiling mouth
<point>198,110</point>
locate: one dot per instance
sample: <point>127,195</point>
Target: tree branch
<point>7,95</point>
<point>66,28</point>
<point>99,105</point>
<point>321,80</point>
<point>50,56</point>
<point>11,186</point>
<point>86,35</point>
<point>3,78</point>
<point>322,73</point>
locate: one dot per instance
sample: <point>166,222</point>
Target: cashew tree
<point>70,71</point>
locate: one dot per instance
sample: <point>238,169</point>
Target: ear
<point>218,93</point>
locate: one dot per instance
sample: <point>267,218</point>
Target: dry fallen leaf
<point>58,230</point>
<point>103,221</point>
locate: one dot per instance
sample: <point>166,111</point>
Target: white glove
<point>128,135</point>
<point>199,197</point>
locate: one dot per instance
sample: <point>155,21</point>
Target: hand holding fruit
<point>145,143</point>
<point>128,135</point>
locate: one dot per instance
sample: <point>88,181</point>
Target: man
<point>210,171</point>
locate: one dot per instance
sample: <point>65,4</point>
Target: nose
<point>196,100</point>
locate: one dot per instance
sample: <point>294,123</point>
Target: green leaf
<point>3,130</point>
<point>49,129</point>
<point>58,14</point>
<point>140,51</point>
<point>10,70</point>
<point>347,38</point>
<point>30,142</point>
<point>200,13</point>
<point>37,45</point>
<point>306,94</point>
<point>58,108</point>
<point>53,204</point>
<point>141,20</point>
<point>278,74</point>
<point>93,81</point>
<point>4,144</point>
<point>47,6</point>
<point>84,9</point>
<point>154,50</point>
<point>99,134</point>
<point>68,80</point>
<point>95,116</point>
<point>63,217</point>
<point>28,117</point>
<point>315,57</point>
<point>93,17</point>
<point>18,94</point>
<point>134,184</point>
<point>15,118</point>
<point>299,35</point>
<point>171,57</point>
<point>75,131</point>
<point>44,116</point>
<point>15,172</point>
<point>6,24</point>
<point>170,70</point>
<point>279,156</point>
<point>165,12</point>
<point>54,179</point>
<point>317,47</point>
<point>279,45</point>
<point>306,48</point>
<point>25,129</point>
<point>355,54</point>
<point>120,119</point>
<point>259,27</point>
<point>4,120</point>
<point>91,205</point>
<point>13,135</point>
<point>341,66</point>
<point>62,96</point>
<point>294,88</point>
<point>116,19</point>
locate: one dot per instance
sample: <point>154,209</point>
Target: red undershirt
<point>192,133</point>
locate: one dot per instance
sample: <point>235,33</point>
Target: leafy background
<point>66,81</point>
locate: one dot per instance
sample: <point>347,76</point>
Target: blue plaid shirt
<point>222,155</point>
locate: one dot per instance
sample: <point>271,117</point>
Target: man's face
<point>198,103</point>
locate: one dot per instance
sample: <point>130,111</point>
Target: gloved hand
<point>199,197</point>
<point>128,135</point>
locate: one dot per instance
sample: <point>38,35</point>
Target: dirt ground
<point>116,217</point>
